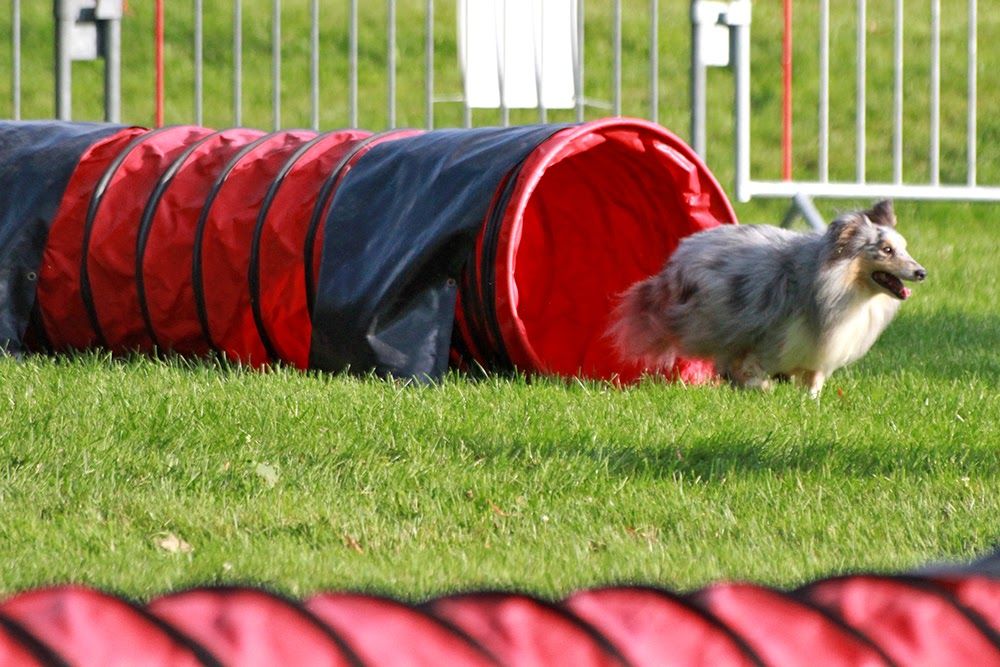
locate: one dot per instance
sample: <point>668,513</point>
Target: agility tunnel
<point>402,252</point>
<point>942,616</point>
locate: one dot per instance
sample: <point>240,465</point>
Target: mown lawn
<point>304,482</point>
<point>142,476</point>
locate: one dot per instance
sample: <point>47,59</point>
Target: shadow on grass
<point>941,344</point>
<point>732,456</point>
<point>713,460</point>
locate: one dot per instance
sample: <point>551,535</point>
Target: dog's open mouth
<point>892,284</point>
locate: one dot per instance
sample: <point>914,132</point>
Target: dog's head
<point>869,239</point>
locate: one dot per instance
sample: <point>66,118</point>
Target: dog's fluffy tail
<point>637,325</point>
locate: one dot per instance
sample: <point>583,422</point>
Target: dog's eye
<point>887,250</point>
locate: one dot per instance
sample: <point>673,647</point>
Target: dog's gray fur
<point>765,302</point>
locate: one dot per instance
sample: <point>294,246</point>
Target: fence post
<point>87,30</point>
<point>697,80</point>
<point>654,60</point>
<point>711,46</point>
<point>15,59</point>
<point>108,15</point>
<point>65,15</point>
<point>738,19</point>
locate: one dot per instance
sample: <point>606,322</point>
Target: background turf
<point>141,475</point>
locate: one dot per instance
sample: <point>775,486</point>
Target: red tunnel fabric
<point>18,648</point>
<point>63,313</point>
<point>979,594</point>
<point>383,631</point>
<point>856,620</point>
<point>86,627</point>
<point>278,293</point>
<point>521,630</point>
<point>167,240</point>
<point>786,631</point>
<point>223,245</point>
<point>108,275</point>
<point>594,209</point>
<point>652,626</point>
<point>913,621</point>
<point>250,627</point>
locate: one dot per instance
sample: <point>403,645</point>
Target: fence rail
<point>342,36</point>
<point>893,65</point>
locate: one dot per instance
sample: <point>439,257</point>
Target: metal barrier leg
<point>802,205</point>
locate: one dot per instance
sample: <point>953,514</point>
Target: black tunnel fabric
<point>392,256</point>
<point>317,220</point>
<point>36,161</point>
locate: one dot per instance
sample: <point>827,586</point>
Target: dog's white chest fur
<point>846,341</point>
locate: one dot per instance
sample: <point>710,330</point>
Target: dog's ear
<point>846,233</point>
<point>882,214</point>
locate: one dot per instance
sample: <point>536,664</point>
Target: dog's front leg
<point>814,381</point>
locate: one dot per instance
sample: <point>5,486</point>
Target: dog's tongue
<point>905,293</point>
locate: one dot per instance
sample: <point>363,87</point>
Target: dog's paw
<point>759,383</point>
<point>816,386</point>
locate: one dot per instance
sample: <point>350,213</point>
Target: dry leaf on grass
<point>351,542</point>
<point>497,510</point>
<point>172,544</point>
<point>268,473</point>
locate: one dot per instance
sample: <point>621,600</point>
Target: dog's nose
<point>920,274</point>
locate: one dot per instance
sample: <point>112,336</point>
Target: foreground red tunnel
<point>947,615</point>
<point>404,252</point>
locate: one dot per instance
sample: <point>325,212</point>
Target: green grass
<point>305,482</point>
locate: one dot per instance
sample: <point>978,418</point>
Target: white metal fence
<point>714,33</point>
<point>926,54</point>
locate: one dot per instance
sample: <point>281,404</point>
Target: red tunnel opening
<point>594,209</point>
